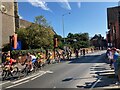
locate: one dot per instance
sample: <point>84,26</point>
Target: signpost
<point>13,42</point>
<point>55,45</point>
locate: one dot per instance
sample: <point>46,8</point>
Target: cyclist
<point>49,58</point>
<point>9,63</point>
<point>70,53</point>
<point>58,56</point>
<point>30,60</point>
<point>38,55</point>
<point>83,52</point>
<point>39,58</point>
<point>63,54</point>
<point>76,53</point>
<point>33,60</point>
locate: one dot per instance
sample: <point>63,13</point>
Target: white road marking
<point>54,87</point>
<point>17,84</point>
<point>49,71</point>
<point>95,83</point>
<point>38,76</point>
<point>5,82</point>
<point>26,78</point>
<point>42,74</point>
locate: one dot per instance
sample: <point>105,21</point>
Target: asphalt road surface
<point>76,73</point>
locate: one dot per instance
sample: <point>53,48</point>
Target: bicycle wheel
<point>34,68</point>
<point>4,75</point>
<point>15,71</point>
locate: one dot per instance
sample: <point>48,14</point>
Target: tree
<point>40,20</point>
<point>78,40</point>
<point>37,35</point>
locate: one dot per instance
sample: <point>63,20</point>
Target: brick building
<point>98,42</point>
<point>9,20</point>
<point>113,18</point>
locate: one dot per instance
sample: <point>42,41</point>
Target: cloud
<point>39,3</point>
<point>79,4</point>
<point>65,4</point>
<point>20,16</point>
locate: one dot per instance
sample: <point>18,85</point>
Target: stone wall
<point>8,21</point>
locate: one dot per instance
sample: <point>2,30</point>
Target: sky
<point>90,17</point>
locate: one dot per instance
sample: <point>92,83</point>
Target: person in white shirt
<point>110,57</point>
<point>31,59</point>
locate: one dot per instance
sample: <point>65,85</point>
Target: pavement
<point>84,73</point>
<point>101,77</point>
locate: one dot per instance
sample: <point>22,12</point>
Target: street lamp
<point>63,24</point>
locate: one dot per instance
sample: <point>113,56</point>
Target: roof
<point>25,24</point>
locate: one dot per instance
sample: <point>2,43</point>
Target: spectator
<point>110,57</point>
<point>115,58</point>
<point>83,52</point>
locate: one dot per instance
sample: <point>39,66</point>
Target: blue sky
<point>88,17</point>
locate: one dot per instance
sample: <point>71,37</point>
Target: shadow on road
<point>72,79</point>
<point>104,78</point>
<point>88,59</point>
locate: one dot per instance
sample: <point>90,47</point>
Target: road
<point>77,73</point>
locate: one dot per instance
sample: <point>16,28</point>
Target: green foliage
<point>37,35</point>
<point>40,34</point>
<point>78,40</point>
<point>40,20</point>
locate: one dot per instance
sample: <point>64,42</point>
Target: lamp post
<point>63,24</point>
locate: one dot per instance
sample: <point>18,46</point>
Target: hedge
<point>24,52</point>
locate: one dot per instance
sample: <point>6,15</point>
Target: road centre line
<point>17,84</point>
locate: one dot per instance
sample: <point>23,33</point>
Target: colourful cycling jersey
<point>38,56</point>
<point>12,61</point>
<point>33,58</point>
